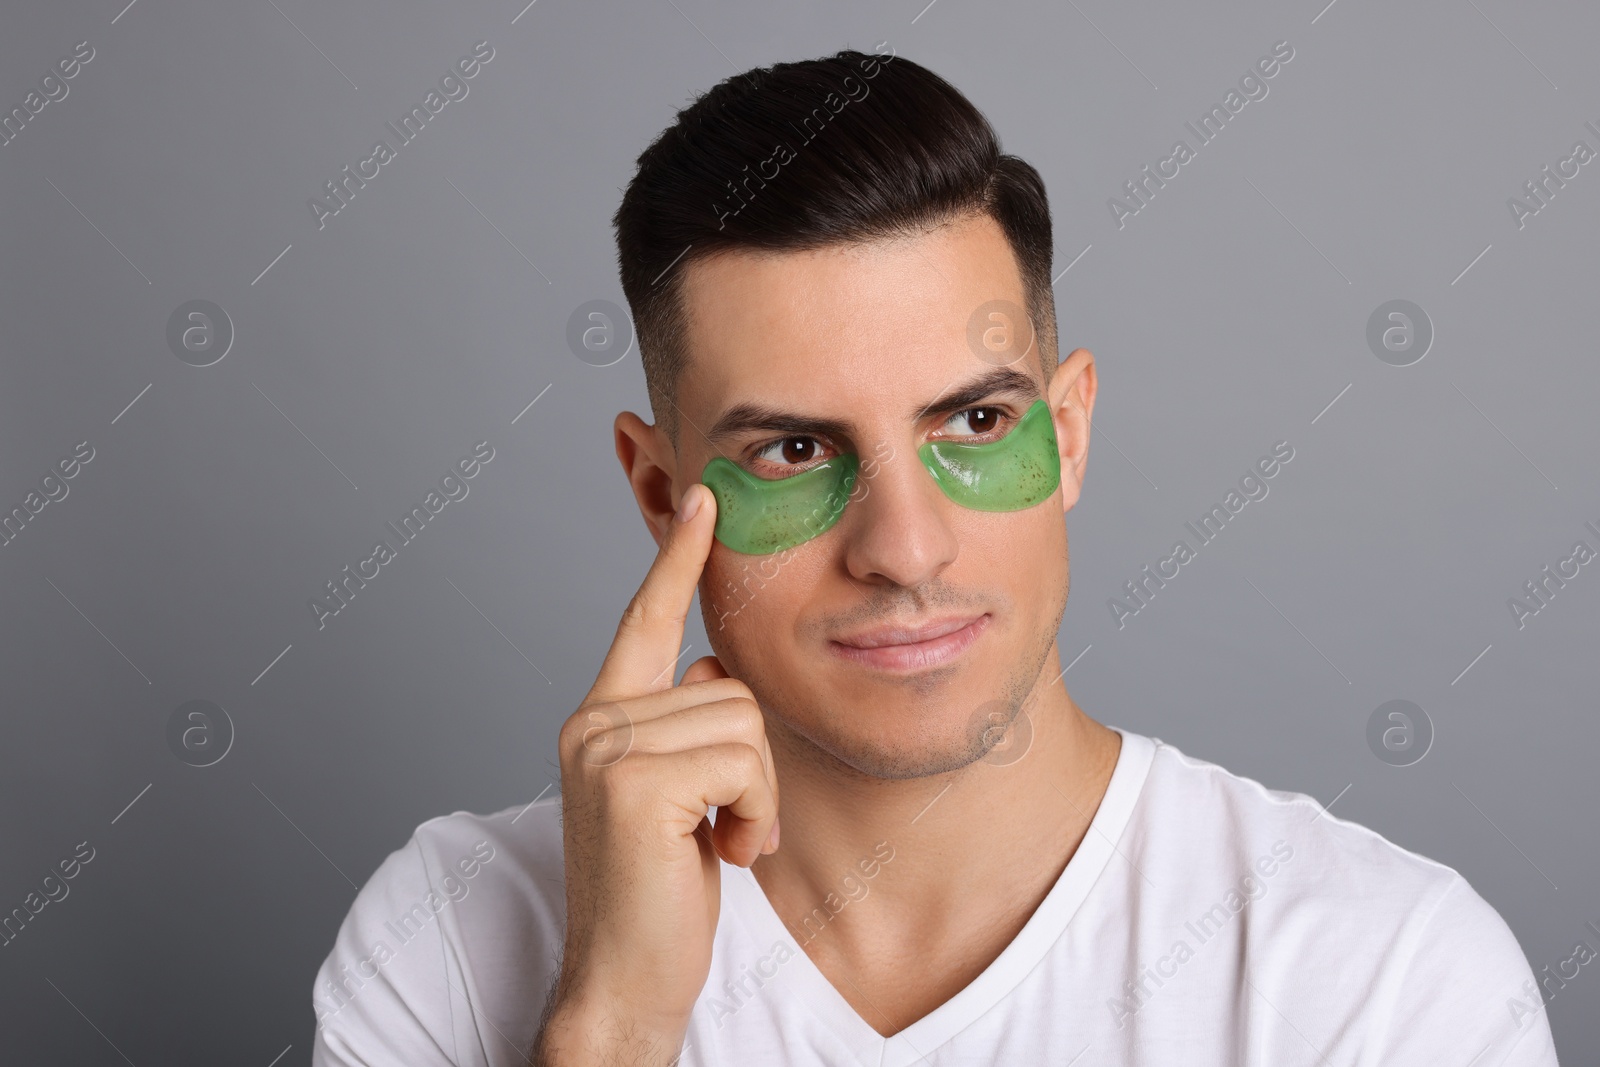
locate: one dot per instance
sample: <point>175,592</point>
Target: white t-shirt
<point>1204,920</point>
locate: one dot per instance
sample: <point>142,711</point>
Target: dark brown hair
<point>848,148</point>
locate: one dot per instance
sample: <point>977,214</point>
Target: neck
<point>972,851</point>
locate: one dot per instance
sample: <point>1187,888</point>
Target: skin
<point>871,335</point>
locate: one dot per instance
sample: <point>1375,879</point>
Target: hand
<point>642,763</point>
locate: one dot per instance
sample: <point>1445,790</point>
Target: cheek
<point>752,606</point>
<point>739,589</point>
<point>724,583</point>
<point>1018,544</point>
<point>1050,556</point>
<point>1019,555</point>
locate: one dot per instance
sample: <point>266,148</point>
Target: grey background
<point>1226,316</point>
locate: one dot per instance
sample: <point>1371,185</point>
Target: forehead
<point>881,322</point>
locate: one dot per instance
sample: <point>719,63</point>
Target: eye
<point>980,421</point>
<point>788,455</point>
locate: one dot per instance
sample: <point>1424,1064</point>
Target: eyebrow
<point>742,418</point>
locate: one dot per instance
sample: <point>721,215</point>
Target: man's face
<point>872,340</point>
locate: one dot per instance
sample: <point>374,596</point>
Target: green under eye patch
<point>1017,471</point>
<point>759,516</point>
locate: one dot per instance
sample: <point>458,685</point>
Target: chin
<point>899,762</point>
<point>896,739</point>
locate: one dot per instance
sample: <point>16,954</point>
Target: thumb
<point>704,669</point>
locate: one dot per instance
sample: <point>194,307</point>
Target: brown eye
<point>978,420</point>
<point>790,452</point>
<point>797,449</point>
<point>982,420</point>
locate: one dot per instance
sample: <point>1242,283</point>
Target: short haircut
<point>849,148</point>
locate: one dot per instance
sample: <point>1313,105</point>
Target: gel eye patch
<point>1017,471</point>
<point>759,516</point>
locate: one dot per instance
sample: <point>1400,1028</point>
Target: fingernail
<point>689,506</point>
<point>772,837</point>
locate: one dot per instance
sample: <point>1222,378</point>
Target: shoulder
<point>459,925</point>
<point>1281,838</point>
<point>1419,957</point>
<point>514,855</point>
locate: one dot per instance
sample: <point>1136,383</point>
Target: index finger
<point>644,654</point>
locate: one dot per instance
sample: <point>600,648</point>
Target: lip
<point>899,648</point>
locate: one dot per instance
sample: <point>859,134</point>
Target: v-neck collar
<point>752,910</point>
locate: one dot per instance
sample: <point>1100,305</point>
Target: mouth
<point>913,648</point>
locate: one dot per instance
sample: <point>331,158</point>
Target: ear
<point>650,464</point>
<point>1071,399</point>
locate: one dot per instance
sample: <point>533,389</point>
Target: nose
<point>897,524</point>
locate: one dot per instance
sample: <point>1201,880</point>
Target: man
<point>923,851</point>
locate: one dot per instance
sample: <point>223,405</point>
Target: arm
<point>381,1000</point>
<point>1466,994</point>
